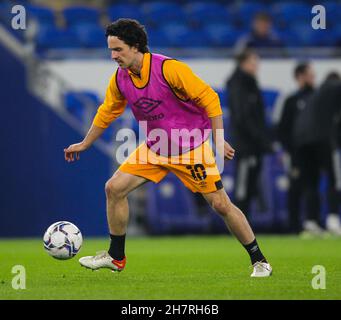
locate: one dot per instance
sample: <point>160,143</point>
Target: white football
<point>62,240</point>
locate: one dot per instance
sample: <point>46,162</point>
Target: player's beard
<point>123,65</point>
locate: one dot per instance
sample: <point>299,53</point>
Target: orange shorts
<point>197,169</point>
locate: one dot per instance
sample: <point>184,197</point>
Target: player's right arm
<point>112,107</point>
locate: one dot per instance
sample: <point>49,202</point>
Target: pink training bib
<point>173,126</point>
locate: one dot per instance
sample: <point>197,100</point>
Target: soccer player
<point>167,95</point>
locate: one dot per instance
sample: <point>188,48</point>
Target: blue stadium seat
<point>77,102</point>
<point>92,96</point>
<point>278,7</point>
<point>270,97</point>
<point>337,34</point>
<point>245,12</point>
<point>81,14</point>
<point>74,104</point>
<point>131,11</point>
<point>3,8</point>
<point>201,13</point>
<point>43,15</point>
<point>5,16</point>
<point>49,37</point>
<point>278,184</point>
<point>221,35</point>
<point>287,14</point>
<point>223,97</point>
<point>324,38</point>
<point>303,35</point>
<point>81,104</point>
<point>289,39</point>
<point>90,35</point>
<point>193,39</point>
<point>157,38</point>
<point>160,12</point>
<point>182,36</point>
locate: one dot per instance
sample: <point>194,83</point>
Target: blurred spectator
<point>261,35</point>
<point>316,137</point>
<point>293,105</point>
<point>249,134</point>
<point>339,135</point>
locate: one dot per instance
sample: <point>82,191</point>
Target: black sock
<point>116,249</point>
<point>254,252</point>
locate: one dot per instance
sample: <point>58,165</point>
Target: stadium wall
<point>37,186</point>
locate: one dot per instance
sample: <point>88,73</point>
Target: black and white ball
<point>63,240</point>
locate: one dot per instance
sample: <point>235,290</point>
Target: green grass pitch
<point>190,267</point>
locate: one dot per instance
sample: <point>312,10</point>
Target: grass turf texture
<point>202,267</point>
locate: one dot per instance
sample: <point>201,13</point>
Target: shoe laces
<point>260,266</point>
<point>100,255</point>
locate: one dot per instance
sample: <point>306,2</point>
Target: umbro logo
<point>147,104</point>
<point>254,249</point>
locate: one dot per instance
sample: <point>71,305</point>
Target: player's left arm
<point>187,85</point>
<point>218,137</point>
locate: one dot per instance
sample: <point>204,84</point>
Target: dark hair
<point>130,32</point>
<point>300,69</point>
<point>332,76</point>
<point>244,55</point>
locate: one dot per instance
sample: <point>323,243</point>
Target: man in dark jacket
<point>248,129</point>
<point>293,105</point>
<point>316,137</point>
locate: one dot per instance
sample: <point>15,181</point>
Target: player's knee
<point>113,190</point>
<point>222,206</point>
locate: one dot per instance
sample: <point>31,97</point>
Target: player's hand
<point>228,151</point>
<point>72,152</point>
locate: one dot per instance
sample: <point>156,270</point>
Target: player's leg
<point>237,223</point>
<point>117,189</point>
<point>131,174</point>
<point>202,175</point>
<point>233,217</point>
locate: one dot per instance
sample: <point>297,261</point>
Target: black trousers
<point>295,192</point>
<point>308,162</point>
<point>247,187</point>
